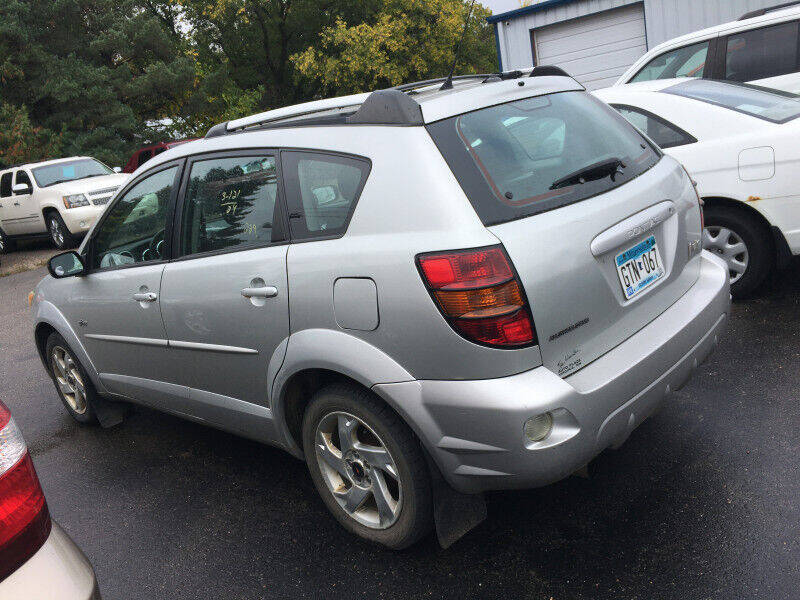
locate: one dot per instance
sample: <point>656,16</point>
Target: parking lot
<point>703,501</point>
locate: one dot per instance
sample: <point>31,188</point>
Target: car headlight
<point>75,201</point>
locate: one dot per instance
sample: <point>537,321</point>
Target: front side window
<point>762,53</point>
<point>230,202</point>
<point>322,191</point>
<point>770,105</point>
<point>22,178</point>
<point>689,61</point>
<point>133,230</point>
<point>524,157</point>
<point>661,131</point>
<point>5,185</point>
<point>69,171</point>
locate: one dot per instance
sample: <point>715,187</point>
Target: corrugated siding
<point>665,19</point>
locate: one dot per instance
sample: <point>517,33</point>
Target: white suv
<point>761,48</point>
<point>60,198</point>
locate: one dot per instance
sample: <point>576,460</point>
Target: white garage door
<point>595,49</point>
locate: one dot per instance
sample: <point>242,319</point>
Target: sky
<point>500,6</point>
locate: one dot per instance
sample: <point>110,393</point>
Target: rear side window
<point>764,103</point>
<point>689,61</point>
<point>5,185</point>
<point>762,53</point>
<point>321,192</point>
<point>661,131</point>
<point>524,157</point>
<point>230,202</point>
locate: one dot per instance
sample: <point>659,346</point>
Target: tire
<point>725,229</point>
<point>66,374</point>
<point>59,234</point>
<point>408,511</point>
<point>6,243</point>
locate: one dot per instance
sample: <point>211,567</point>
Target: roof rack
<point>393,106</point>
<point>764,11</point>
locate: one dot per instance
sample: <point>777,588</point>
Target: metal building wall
<point>515,36</point>
<point>665,20</point>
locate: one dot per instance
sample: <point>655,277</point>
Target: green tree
<point>243,50</point>
<point>407,40</point>
<point>20,141</point>
<point>107,73</point>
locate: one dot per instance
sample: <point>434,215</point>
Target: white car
<point>57,198</point>
<point>740,144</point>
<point>761,48</point>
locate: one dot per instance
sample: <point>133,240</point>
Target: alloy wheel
<point>68,379</point>
<point>358,470</point>
<point>56,233</point>
<point>730,247</point>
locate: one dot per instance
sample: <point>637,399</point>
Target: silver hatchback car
<point>425,292</point>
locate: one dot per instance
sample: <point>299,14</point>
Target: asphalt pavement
<point>703,501</point>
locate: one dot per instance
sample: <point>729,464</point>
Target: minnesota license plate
<point>639,267</point>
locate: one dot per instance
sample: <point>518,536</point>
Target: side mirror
<point>67,264</point>
<point>21,188</point>
<point>117,169</point>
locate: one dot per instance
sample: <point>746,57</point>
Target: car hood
<point>91,184</point>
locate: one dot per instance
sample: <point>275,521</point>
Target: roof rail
<point>764,11</point>
<point>316,108</point>
<point>394,106</point>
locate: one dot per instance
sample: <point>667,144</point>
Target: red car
<point>142,155</point>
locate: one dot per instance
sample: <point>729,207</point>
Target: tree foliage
<point>111,75</point>
<point>20,141</point>
<point>407,40</point>
<point>103,71</point>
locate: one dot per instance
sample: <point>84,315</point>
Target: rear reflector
<point>478,293</point>
<point>24,519</point>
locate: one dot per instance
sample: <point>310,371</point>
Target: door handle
<point>268,291</point>
<point>145,297</point>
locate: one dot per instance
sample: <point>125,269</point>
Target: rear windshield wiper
<point>595,171</point>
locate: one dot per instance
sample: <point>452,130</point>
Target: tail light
<point>479,294</point>
<point>24,519</point>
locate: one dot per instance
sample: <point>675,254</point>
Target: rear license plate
<point>639,267</point>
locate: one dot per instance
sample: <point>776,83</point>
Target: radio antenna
<point>448,84</point>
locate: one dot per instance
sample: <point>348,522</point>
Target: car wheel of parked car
<point>59,234</point>
<point>6,243</point>
<point>743,244</point>
<point>368,466</point>
<point>72,383</point>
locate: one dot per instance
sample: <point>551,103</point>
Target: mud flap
<point>109,412</point>
<point>454,514</point>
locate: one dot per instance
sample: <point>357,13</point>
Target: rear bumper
<point>474,429</point>
<point>58,571</point>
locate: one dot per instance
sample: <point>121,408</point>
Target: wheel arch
<point>316,358</point>
<point>773,234</point>
<point>48,320</point>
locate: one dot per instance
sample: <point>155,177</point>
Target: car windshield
<point>69,171</point>
<point>770,105</point>
<point>524,157</point>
